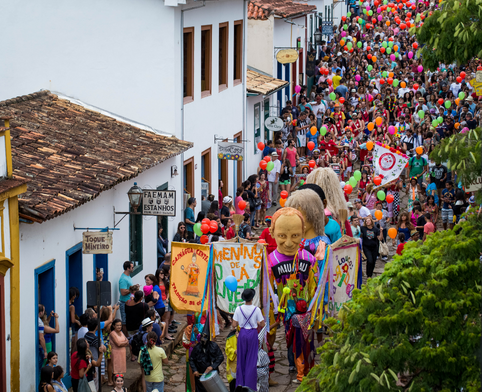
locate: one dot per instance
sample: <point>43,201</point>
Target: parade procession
<point>241,196</point>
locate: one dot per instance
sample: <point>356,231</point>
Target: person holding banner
<point>248,317</point>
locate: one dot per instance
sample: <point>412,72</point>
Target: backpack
<point>137,343</point>
<point>424,161</point>
<point>242,230</point>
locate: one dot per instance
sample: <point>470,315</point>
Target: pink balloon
<point>357,78</point>
<point>420,68</point>
<point>379,10</point>
<point>410,54</point>
<point>356,83</point>
<point>392,57</point>
<point>370,98</point>
<point>380,18</point>
<point>368,8</point>
<point>395,31</point>
<point>297,89</point>
<point>391,129</point>
<point>343,33</point>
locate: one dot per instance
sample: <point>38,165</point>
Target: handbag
<point>383,248</point>
<point>83,385</point>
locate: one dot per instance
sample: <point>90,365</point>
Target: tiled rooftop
<point>262,84</point>
<point>262,9</point>
<point>70,154</point>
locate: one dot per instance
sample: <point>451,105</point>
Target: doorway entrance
<point>73,278</point>
<point>162,221</point>
<point>45,295</point>
<point>102,263</point>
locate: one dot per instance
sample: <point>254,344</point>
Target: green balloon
<point>370,67</point>
<point>440,119</point>
<point>332,96</point>
<point>349,45</point>
<point>381,195</point>
<point>270,166</point>
<point>448,104</point>
<point>348,14</point>
<point>390,43</point>
<point>370,12</point>
<point>352,181</point>
<point>197,229</point>
<point>384,74</point>
<point>389,50</point>
<point>365,11</point>
<point>384,44</point>
<point>396,82</point>
<point>434,123</point>
<point>389,9</point>
<point>461,95</point>
<point>359,44</point>
<point>396,54</point>
<point>302,182</point>
<point>345,27</point>
<point>421,113</point>
<point>323,131</point>
<point>385,2</point>
<point>360,21</point>
<point>357,175</point>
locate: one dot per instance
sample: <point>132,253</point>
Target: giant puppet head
<point>287,229</point>
<point>327,180</point>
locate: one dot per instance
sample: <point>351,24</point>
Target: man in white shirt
<point>455,88</point>
<point>273,177</point>
<point>319,109</point>
<point>362,211</point>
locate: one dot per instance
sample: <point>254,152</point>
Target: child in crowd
<point>401,245</point>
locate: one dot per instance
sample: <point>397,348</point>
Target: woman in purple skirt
<point>248,317</point>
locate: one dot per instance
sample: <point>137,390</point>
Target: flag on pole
<point>388,162</point>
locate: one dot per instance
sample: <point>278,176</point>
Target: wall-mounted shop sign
<point>287,56</point>
<point>162,203</point>
<point>96,243</point>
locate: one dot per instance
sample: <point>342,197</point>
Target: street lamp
<point>318,37</point>
<point>135,196</point>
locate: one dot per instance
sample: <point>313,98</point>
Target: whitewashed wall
<point>6,228</point>
<point>260,48</point>
<point>40,243</point>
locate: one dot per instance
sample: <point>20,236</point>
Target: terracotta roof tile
<point>70,154</point>
<point>262,84</point>
<point>262,9</point>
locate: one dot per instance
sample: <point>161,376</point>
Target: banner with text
<point>233,151</point>
<point>189,263</point>
<point>243,261</point>
<point>346,275</point>
<point>388,162</point>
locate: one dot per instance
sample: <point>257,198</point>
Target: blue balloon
<point>231,283</point>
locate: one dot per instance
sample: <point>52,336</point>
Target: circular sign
<point>274,124</point>
<point>387,161</point>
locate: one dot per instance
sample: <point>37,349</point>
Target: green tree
<point>416,327</point>
<point>452,34</point>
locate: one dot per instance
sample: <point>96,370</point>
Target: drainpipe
<point>182,95</point>
<point>245,112</point>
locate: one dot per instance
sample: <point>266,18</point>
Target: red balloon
<point>409,14</point>
<point>311,145</point>
<point>369,48</point>
<point>213,227</point>
<point>407,19</point>
<point>263,165</point>
<point>204,239</point>
<point>390,80</point>
<point>458,79</point>
<point>415,86</point>
<point>242,205</point>
<point>382,81</point>
<point>261,241</point>
<point>382,49</point>
<point>261,146</point>
<point>403,26</point>
<point>345,48</point>
<point>284,194</point>
<point>312,163</point>
<point>343,18</point>
<point>389,199</point>
<point>267,158</point>
<point>348,189</point>
<point>374,20</point>
<point>413,7</point>
<point>205,221</point>
<point>205,228</point>
<point>369,58</point>
<point>329,81</point>
<point>463,75</point>
<point>377,180</point>
<point>415,45</point>
<point>342,100</point>
<point>441,101</point>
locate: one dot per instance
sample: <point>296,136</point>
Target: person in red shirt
<point>265,235</point>
<point>401,238</point>
<point>329,145</point>
<point>229,229</point>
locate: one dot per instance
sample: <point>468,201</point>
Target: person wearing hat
<point>248,317</point>
<point>273,178</point>
<point>470,102</point>
<point>414,235</point>
<point>226,208</point>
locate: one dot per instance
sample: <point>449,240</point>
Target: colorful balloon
<point>419,150</point>
<point>378,215</point>
<point>284,194</point>
<point>213,227</point>
<point>357,175</point>
<point>261,146</point>
<point>348,189</point>
<point>390,199</point>
<point>323,131</point>
<point>197,229</point>
<point>204,239</point>
<point>311,145</point>
<point>270,166</point>
<point>369,145</point>
<point>381,195</point>
<point>242,205</point>
<point>263,165</point>
<point>392,233</point>
<point>377,180</point>
<point>231,283</point>
<point>312,163</point>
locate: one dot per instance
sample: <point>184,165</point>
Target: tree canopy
<point>416,327</point>
<point>452,34</point>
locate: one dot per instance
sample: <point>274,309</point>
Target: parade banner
<point>243,261</point>
<point>189,264</point>
<point>388,162</point>
<point>346,275</point>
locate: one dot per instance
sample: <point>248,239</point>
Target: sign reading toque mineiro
<point>96,243</point>
<point>162,203</point>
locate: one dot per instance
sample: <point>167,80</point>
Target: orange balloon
<point>378,215</point>
<point>390,75</point>
<point>387,23</point>
<point>374,59</point>
<point>282,202</point>
<point>369,145</point>
<point>419,150</point>
<point>395,48</point>
<point>370,126</point>
<point>313,130</point>
<point>457,101</point>
<point>457,125</point>
<point>342,42</point>
<point>392,232</point>
<point>379,121</point>
<point>403,84</point>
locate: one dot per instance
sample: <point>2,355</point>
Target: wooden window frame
<point>207,167</point>
<point>239,164</point>
<point>209,61</point>
<point>223,62</point>
<point>190,68</point>
<point>190,182</point>
<point>239,47</point>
